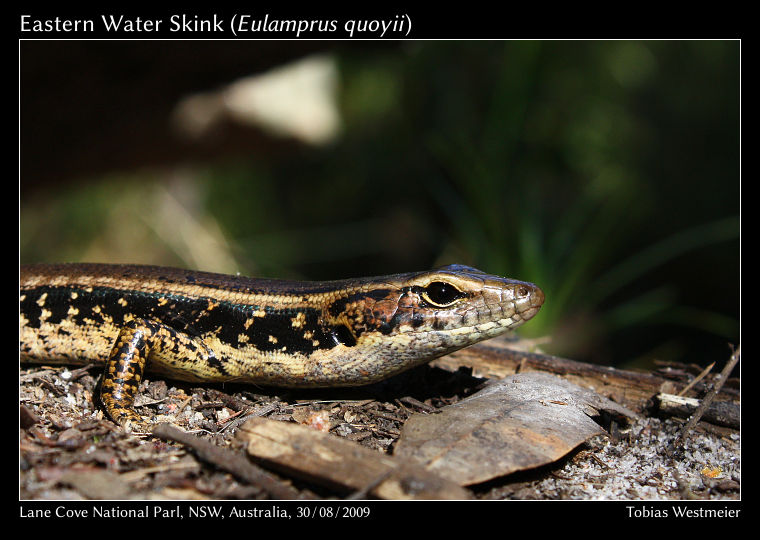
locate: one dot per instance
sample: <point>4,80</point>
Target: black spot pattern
<point>192,316</point>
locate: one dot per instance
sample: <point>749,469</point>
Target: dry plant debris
<point>68,450</point>
<point>341,464</point>
<point>521,422</point>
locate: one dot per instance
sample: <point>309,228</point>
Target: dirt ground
<point>70,451</point>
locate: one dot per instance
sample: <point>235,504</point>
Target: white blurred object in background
<point>296,100</point>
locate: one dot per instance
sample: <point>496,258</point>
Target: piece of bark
<point>97,483</point>
<point>720,413</point>
<point>521,422</point>
<point>226,459</point>
<point>494,359</point>
<point>26,417</point>
<point>341,464</point>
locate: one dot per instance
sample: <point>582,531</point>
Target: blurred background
<point>606,172</point>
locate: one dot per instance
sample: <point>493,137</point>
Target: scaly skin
<point>199,326</point>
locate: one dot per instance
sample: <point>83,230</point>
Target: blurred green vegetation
<point>605,172</point>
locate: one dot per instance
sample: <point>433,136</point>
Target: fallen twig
<point>230,461</point>
<point>719,413</point>
<point>698,378</point>
<point>417,403</point>
<point>708,399</point>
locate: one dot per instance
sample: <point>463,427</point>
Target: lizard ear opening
<point>342,335</point>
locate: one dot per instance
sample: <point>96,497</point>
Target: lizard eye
<point>441,294</point>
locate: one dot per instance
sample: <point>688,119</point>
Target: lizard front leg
<point>139,342</point>
<point>124,370</point>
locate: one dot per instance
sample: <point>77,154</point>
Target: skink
<point>199,326</point>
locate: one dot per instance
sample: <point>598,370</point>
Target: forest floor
<point>69,450</point>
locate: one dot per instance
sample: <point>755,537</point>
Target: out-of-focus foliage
<point>605,172</point>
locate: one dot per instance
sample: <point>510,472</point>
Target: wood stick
<point>708,399</point>
<point>341,464</point>
<point>229,461</point>
<point>719,413</point>
<point>698,378</point>
<point>493,359</point>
